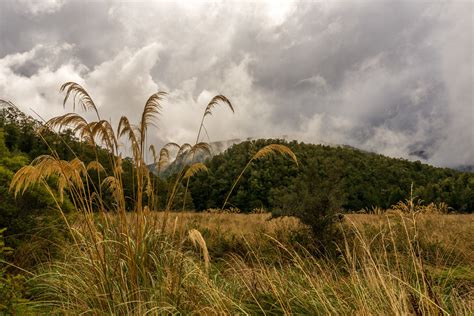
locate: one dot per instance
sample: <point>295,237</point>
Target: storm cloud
<point>394,77</point>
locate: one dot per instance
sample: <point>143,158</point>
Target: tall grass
<point>128,264</point>
<point>386,271</point>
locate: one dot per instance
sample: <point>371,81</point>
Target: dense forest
<point>356,179</point>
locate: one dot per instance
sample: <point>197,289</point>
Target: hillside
<point>361,179</point>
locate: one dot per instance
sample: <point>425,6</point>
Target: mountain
<point>176,165</point>
<point>465,168</point>
<point>367,179</point>
<point>219,147</point>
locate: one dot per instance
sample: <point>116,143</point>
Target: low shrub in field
<point>316,202</point>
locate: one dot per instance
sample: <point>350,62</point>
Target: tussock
<point>80,97</point>
<point>275,149</point>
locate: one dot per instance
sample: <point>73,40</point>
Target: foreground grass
<point>396,264</point>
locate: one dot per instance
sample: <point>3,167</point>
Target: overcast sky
<point>394,77</point>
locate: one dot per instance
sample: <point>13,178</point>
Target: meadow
<point>227,263</point>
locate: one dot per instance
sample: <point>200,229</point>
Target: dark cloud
<point>85,24</point>
<point>394,77</point>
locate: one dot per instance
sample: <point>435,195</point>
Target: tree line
<point>353,178</point>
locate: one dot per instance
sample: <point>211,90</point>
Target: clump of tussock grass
<point>161,277</point>
<point>197,240</point>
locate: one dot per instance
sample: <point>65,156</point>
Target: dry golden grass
<point>245,225</point>
<point>451,231</point>
<point>246,263</point>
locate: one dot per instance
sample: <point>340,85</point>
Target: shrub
<point>316,200</point>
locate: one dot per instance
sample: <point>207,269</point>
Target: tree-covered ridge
<point>364,179</point>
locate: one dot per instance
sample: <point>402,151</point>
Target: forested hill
<point>356,178</point>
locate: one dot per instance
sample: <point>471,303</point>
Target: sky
<point>392,77</point>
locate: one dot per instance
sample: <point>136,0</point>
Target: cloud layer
<point>394,77</point>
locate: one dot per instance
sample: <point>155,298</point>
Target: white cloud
<point>37,7</point>
<point>122,84</point>
<point>456,45</point>
<point>37,91</point>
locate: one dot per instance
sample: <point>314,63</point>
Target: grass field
<point>221,263</point>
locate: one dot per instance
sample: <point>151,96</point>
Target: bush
<point>316,200</point>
